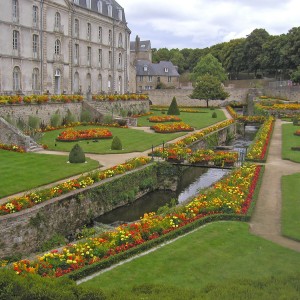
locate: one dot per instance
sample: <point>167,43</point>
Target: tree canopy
<point>209,87</point>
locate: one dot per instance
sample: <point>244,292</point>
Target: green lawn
<point>196,120</point>
<point>23,171</point>
<point>133,140</point>
<point>290,140</point>
<point>291,206</point>
<point>213,255</point>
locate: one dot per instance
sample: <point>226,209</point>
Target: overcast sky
<point>199,24</point>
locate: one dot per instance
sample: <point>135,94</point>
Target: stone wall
<point>164,97</point>
<point>42,111</point>
<point>24,232</point>
<point>284,92</point>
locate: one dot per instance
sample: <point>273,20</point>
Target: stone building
<point>62,46</point>
<point>148,75</point>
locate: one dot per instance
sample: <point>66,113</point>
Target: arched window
<point>89,82</point>
<point>99,6</point>
<point>57,47</point>
<point>57,20</point>
<point>15,10</point>
<point>109,10</point>
<point>120,60</point>
<point>120,14</point>
<point>120,40</point>
<point>35,80</point>
<point>76,82</point>
<point>99,83</point>
<point>16,79</point>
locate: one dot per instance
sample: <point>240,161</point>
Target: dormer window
<point>166,70</point>
<point>76,1</point>
<point>120,14</point>
<point>99,6</point>
<point>145,68</point>
<point>89,4</point>
<point>109,9</point>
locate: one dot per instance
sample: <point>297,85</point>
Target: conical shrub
<point>76,155</point>
<point>173,108</point>
<point>116,144</point>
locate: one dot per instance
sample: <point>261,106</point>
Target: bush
<point>55,120</point>
<point>214,115</point>
<point>33,122</point>
<point>76,155</point>
<point>107,119</point>
<point>173,108</point>
<point>116,144</point>
<point>56,241</point>
<point>85,116</point>
<point>69,118</point>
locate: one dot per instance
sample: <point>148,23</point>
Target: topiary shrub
<point>76,155</point>
<point>85,116</point>
<point>116,144</point>
<point>214,115</point>
<point>56,120</point>
<point>173,108</point>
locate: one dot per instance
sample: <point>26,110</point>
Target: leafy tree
<point>177,59</point>
<point>208,87</point>
<point>173,108</point>
<point>295,76</point>
<point>209,65</point>
<point>76,155</point>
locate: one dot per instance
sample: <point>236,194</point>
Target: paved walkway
<point>266,220</point>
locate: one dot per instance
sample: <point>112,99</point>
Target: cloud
<point>199,24</point>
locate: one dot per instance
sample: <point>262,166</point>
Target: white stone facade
<point>63,46</point>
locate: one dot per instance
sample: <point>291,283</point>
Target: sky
<point>200,24</point>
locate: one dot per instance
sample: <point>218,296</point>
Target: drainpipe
<point>41,44</point>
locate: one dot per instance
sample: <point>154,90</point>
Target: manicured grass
<point>213,255</point>
<point>23,171</point>
<point>196,120</point>
<point>290,220</point>
<point>133,140</point>
<point>290,140</point>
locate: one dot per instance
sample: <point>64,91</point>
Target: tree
<point>208,87</point>
<point>295,76</point>
<point>209,65</point>
<point>76,155</point>
<point>173,108</point>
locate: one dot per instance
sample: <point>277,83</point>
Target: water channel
<point>193,181</point>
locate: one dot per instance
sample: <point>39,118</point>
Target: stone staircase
<point>34,146</point>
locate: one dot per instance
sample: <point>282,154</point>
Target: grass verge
<point>291,206</point>
<point>206,257</point>
<point>23,171</point>
<point>290,140</point>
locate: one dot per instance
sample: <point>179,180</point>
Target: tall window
<point>15,10</point>
<point>109,59</point>
<point>100,58</point>
<point>88,4</point>
<point>169,79</point>
<point>35,45</point>
<point>16,79</point>
<point>89,31</point>
<point>15,40</point>
<point>35,15</point>
<point>120,40</point>
<point>57,47</point>
<point>109,9</point>
<point>76,1</point>
<point>76,54</point>
<point>76,28</point>
<point>120,85</point>
<point>100,83</point>
<point>120,14</point>
<point>89,56</point>
<point>150,78</point>
<point>109,83</point>
<point>35,79</point>
<point>120,60</point>
<point>57,20</point>
<point>76,82</point>
<point>110,37</point>
<point>100,34</point>
<point>99,6</point>
<point>89,82</point>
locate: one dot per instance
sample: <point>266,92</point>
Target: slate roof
<point>155,69</point>
<point>144,46</point>
<point>115,7</point>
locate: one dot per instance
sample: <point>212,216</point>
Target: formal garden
<point>206,263</point>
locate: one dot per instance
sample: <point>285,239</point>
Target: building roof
<point>163,68</point>
<point>105,3</point>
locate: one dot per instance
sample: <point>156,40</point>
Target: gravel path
<point>266,220</point>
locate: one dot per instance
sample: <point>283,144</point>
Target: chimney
<point>137,44</point>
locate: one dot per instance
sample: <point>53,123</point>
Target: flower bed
<point>71,135</point>
<point>164,119</point>
<point>258,148</point>
<point>124,97</point>
<point>28,200</point>
<point>14,148</point>
<point>171,128</point>
<point>231,195</point>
